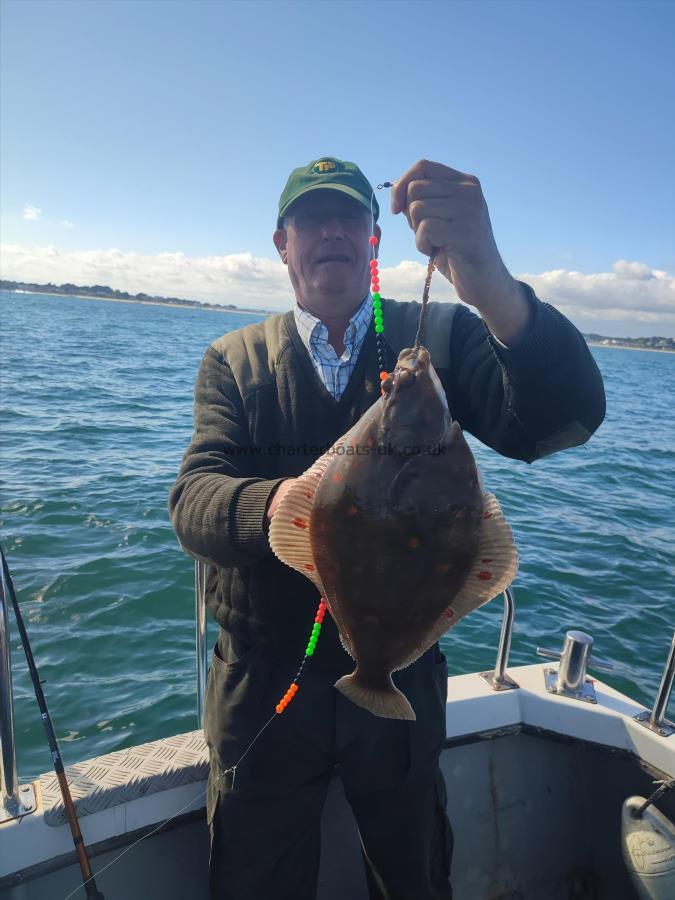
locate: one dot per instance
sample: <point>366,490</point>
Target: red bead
<point>373,241</point>
<point>373,264</point>
<point>375,286</point>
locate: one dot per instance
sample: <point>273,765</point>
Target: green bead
<point>379,329</point>
<point>377,307</point>
<point>309,651</point>
<point>376,297</point>
<point>378,319</point>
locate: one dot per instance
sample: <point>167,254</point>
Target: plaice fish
<point>393,528</point>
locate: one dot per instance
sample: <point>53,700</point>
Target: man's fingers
<point>424,209</point>
<point>423,169</point>
<point>421,189</point>
<point>433,234</point>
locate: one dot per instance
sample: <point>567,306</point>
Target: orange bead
<point>279,708</point>
<point>384,376</point>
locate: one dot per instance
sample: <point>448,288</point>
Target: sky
<point>145,145</point>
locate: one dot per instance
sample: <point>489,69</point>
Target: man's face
<point>325,246</point>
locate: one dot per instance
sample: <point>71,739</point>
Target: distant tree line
<point>103,291</point>
<point>645,343</point>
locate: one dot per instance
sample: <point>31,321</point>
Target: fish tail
<point>387,702</point>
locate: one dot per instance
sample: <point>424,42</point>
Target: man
<point>270,398</point>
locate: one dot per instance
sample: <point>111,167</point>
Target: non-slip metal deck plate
<point>105,781</point>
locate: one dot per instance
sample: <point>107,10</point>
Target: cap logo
<point>325,165</point>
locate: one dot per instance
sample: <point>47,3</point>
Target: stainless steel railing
<point>9,780</point>
<point>497,677</point>
<point>656,719</point>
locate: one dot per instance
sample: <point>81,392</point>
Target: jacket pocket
<point>234,704</point>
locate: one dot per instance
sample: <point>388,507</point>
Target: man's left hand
<point>447,211</point>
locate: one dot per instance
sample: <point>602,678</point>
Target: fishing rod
<point>80,848</point>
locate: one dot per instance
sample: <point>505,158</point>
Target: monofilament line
<point>232,769</point>
<point>135,843</point>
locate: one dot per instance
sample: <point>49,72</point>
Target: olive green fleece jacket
<point>262,414</point>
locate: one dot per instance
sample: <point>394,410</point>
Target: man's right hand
<point>277,497</point>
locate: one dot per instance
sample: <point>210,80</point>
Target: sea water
<point>97,401</point>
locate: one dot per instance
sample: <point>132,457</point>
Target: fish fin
<point>388,704</point>
<point>346,644</point>
<point>289,533</point>
<point>290,529</point>
<point>496,562</point>
<point>497,557</point>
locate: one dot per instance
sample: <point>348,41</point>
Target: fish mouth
<point>418,417</point>
<point>411,363</point>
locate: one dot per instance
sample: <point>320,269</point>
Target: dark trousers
<point>265,829</point>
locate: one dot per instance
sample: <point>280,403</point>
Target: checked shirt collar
<point>334,371</point>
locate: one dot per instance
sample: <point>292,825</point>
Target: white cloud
<point>632,271</point>
<point>67,224</point>
<point>632,291</point>
<point>631,295</point>
<point>31,213</point>
<point>236,278</point>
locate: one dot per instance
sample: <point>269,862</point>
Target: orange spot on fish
<point>300,523</point>
<point>413,542</point>
<point>338,476</point>
<point>352,510</point>
<point>486,560</point>
<point>310,567</point>
<point>484,576</point>
<point>449,613</point>
<point>308,495</point>
<point>487,515</point>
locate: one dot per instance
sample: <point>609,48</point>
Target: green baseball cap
<point>327,173</point>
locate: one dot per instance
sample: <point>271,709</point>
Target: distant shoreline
<point>218,309</point>
<point>626,347</point>
<point>262,312</point>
